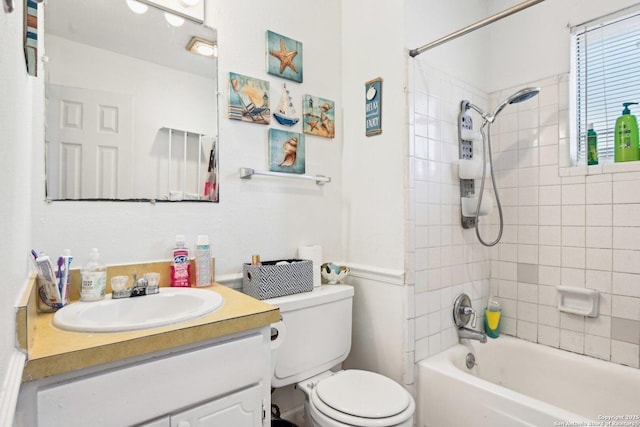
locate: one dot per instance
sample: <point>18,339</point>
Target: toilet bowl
<point>313,337</point>
<point>356,398</point>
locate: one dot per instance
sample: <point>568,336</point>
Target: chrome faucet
<point>462,313</point>
<point>140,287</point>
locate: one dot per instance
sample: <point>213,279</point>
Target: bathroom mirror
<point>131,107</point>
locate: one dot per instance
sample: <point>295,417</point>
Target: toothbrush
<point>60,278</point>
<point>66,254</point>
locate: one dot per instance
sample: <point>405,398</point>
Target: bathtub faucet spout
<point>472,334</point>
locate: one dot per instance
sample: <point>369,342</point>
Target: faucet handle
<point>468,310</point>
<point>463,311</point>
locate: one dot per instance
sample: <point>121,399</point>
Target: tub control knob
<point>463,311</point>
<point>470,311</point>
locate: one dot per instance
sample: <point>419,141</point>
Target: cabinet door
<point>241,409</point>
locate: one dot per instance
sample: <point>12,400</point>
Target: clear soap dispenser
<point>94,278</point>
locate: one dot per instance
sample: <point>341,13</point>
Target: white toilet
<point>314,336</point>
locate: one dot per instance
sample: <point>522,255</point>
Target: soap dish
<point>581,301</point>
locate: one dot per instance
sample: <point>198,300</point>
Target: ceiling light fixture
<point>137,7</point>
<point>189,3</point>
<point>174,20</point>
<point>202,47</point>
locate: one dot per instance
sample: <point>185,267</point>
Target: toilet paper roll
<point>470,204</point>
<point>314,254</point>
<point>278,334</point>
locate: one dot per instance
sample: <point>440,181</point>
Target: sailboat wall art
<point>285,113</point>
<point>284,57</point>
<point>319,117</point>
<point>249,99</point>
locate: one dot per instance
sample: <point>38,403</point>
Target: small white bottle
<point>94,278</point>
<point>203,261</point>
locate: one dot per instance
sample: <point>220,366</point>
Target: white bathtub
<point>518,383</point>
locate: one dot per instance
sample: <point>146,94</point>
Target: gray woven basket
<point>270,280</point>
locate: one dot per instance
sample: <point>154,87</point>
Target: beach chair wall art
<point>284,57</point>
<point>249,99</point>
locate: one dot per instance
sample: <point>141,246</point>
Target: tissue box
<point>270,280</point>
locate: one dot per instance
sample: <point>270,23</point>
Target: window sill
<point>607,168</point>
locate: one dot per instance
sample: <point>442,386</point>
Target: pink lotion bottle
<point>180,266</point>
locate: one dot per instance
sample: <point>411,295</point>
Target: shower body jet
<point>487,120</point>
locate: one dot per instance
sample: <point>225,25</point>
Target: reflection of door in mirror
<point>115,80</point>
<point>89,141</point>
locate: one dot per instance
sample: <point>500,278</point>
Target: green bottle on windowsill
<point>592,146</point>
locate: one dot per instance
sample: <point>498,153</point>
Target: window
<point>606,72</point>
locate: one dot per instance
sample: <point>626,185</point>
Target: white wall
<point>268,216</point>
<point>465,58</point>
<point>15,136</point>
<point>534,43</point>
<point>374,170</point>
<point>373,206</point>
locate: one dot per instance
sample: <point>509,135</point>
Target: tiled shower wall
<point>572,226</point>
<point>563,225</point>
<point>443,258</point>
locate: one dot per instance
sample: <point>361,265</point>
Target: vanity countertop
<point>52,351</point>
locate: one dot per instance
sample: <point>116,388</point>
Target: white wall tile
<point>527,330</point>
<point>626,284</point>
<point>626,192</point>
<point>599,215</point>
<point>599,193</point>
<point>572,276</point>
<point>625,307</point>
<point>549,255</point>
<point>573,257</point>
<point>625,353</point>
<point>573,236</point>
<point>550,195</point>
<point>597,346</point>
<point>626,238</point>
<point>549,335</point>
<point>550,235</point>
<point>626,261</point>
<point>599,237</point>
<point>600,326</point>
<point>599,259</point>
<point>574,215</point>
<point>550,215</point>
<point>572,341</point>
<point>549,316</point>
<point>599,280</point>
<point>573,194</point>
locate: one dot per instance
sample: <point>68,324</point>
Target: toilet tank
<point>316,335</point>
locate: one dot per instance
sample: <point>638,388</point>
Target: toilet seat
<point>362,398</point>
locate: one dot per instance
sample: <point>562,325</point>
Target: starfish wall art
<point>284,57</point>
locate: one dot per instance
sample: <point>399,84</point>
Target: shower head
<point>520,96</point>
<point>523,94</point>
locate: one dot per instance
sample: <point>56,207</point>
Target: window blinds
<point>607,73</point>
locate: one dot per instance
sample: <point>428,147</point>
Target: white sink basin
<point>171,305</point>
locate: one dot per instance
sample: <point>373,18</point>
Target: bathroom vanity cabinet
<point>223,382</point>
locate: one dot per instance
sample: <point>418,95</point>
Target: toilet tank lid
<point>319,295</point>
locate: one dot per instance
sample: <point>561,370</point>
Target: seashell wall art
<point>286,151</point>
